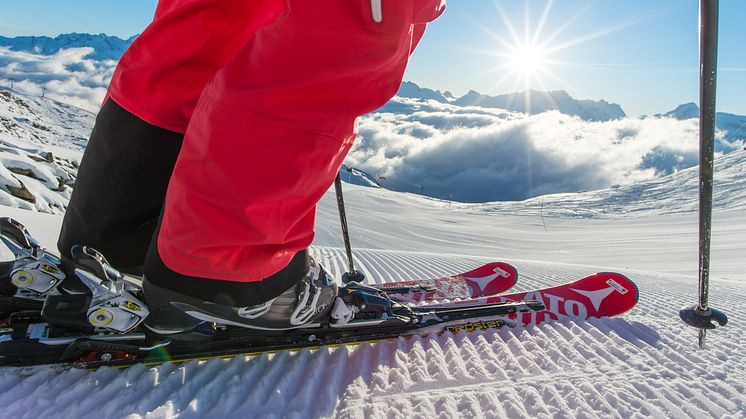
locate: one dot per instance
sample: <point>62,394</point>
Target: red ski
<point>602,294</point>
<point>487,280</point>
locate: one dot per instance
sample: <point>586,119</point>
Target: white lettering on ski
<point>568,308</point>
<point>576,309</point>
<point>554,301</point>
<point>559,307</point>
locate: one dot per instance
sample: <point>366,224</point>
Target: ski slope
<point>642,364</point>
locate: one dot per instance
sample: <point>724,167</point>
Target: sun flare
<point>528,56</point>
<point>528,59</point>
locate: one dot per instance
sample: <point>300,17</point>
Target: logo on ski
<point>472,326</point>
<point>560,306</point>
<point>486,280</point>
<point>49,268</point>
<point>132,306</point>
<point>598,295</point>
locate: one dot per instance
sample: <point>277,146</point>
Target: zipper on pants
<point>377,10</point>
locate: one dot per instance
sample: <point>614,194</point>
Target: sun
<point>530,55</point>
<point>528,59</point>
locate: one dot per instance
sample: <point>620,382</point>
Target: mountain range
<point>529,102</point>
<point>105,47</point>
<point>733,126</point>
<point>535,102</point>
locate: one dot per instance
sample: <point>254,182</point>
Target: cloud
<point>477,155</point>
<point>68,75</point>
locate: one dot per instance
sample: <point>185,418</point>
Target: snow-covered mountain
<point>732,125</point>
<point>43,121</point>
<point>105,47</point>
<point>412,90</point>
<point>684,111</point>
<point>534,102</point>
<point>529,102</point>
<point>355,176</point>
<point>421,146</point>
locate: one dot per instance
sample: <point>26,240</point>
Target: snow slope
<point>356,176</point>
<point>642,364</point>
<point>675,193</point>
<point>41,143</point>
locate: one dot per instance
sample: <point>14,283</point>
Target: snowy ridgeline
<point>355,176</point>
<point>103,47</point>
<point>530,102</point>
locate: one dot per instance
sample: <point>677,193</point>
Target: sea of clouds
<point>475,154</point>
<point>68,75</point>
<point>469,154</point>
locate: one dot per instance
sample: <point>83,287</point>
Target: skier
<point>224,124</point>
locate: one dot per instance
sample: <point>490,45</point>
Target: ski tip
<point>601,294</point>
<point>626,280</point>
<point>628,294</point>
<point>491,278</point>
<point>505,270</point>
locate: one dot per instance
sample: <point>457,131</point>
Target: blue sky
<point>641,54</point>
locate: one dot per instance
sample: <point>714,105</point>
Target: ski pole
<point>701,315</point>
<point>352,275</point>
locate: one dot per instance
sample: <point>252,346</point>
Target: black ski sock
<point>120,188</point>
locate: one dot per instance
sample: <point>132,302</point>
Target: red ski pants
<point>267,93</point>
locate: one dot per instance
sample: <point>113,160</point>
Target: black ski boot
<point>308,303</point>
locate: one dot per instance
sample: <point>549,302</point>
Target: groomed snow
<point>642,364</point>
